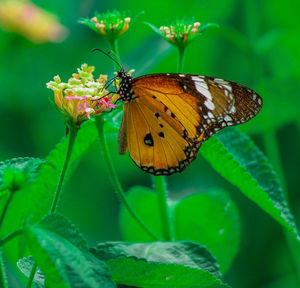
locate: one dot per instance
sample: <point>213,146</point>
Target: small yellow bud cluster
<point>105,27</point>
<point>81,97</point>
<point>179,32</point>
<point>34,23</point>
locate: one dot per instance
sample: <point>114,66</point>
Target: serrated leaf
<point>18,172</point>
<point>62,226</point>
<point>25,265</point>
<point>212,219</point>
<point>34,200</point>
<point>209,218</point>
<point>160,264</point>
<point>65,261</point>
<point>235,156</point>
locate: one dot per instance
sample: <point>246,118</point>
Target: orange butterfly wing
<point>172,114</point>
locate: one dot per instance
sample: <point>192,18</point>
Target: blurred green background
<point>257,45</point>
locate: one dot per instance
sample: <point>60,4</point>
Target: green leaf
<point>160,264</point>
<point>35,199</point>
<point>144,202</point>
<point>212,219</point>
<point>209,218</point>
<point>61,253</point>
<point>16,173</point>
<point>88,22</point>
<point>25,265</point>
<point>234,155</point>
<point>62,226</point>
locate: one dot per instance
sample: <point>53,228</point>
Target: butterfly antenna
<point>107,54</point>
<point>115,55</point>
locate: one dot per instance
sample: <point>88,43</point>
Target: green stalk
<point>115,49</point>
<point>165,215</point>
<point>11,193</point>
<point>10,236</point>
<point>31,276</point>
<point>3,280</point>
<point>113,175</point>
<point>180,62</point>
<point>72,137</point>
<point>115,180</point>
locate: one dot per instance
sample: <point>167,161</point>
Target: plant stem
<point>115,180</point>
<point>10,236</point>
<point>31,276</point>
<point>72,136</point>
<point>180,62</point>
<point>3,280</point>
<point>165,215</point>
<point>114,48</point>
<point>11,193</point>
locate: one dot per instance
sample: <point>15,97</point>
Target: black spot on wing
<point>148,140</point>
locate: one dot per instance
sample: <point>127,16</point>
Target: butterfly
<point>167,116</point>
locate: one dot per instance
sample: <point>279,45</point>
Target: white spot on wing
<point>259,101</point>
<point>232,109</point>
<point>181,75</point>
<point>202,87</point>
<point>210,115</point>
<point>224,83</point>
<point>227,118</point>
<point>210,105</point>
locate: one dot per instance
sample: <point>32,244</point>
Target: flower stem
<point>115,180</point>
<point>10,196</point>
<point>165,215</point>
<point>10,236</point>
<point>72,136</point>
<point>180,62</point>
<point>3,280</point>
<point>31,276</point>
<point>114,48</point>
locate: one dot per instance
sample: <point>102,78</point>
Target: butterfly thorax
<point>125,90</point>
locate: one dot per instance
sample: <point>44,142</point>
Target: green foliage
<point>18,172</point>
<point>61,253</point>
<point>209,218</point>
<point>144,202</point>
<point>34,199</point>
<point>160,264</point>
<point>212,219</point>
<point>235,156</point>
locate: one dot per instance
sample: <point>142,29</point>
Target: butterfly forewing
<point>170,115</point>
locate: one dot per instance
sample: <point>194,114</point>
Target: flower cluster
<point>34,23</point>
<point>179,32</point>
<point>81,97</point>
<point>110,24</point>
